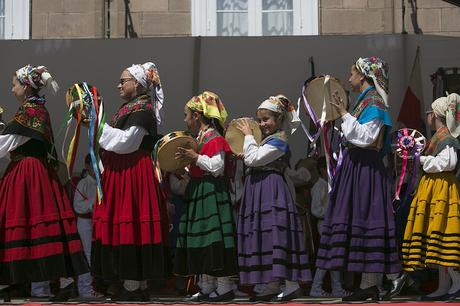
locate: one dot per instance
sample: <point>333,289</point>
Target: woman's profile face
<point>18,90</point>
<point>355,79</point>
<point>127,86</point>
<point>191,120</point>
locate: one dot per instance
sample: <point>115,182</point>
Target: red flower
<point>31,112</point>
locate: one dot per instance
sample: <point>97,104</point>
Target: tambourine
<point>167,147</point>
<point>408,143</point>
<point>2,124</point>
<point>319,96</point>
<point>235,137</point>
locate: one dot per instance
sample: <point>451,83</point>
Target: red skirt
<point>131,224</point>
<point>38,232</point>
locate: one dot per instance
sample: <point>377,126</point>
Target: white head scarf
<point>36,77</point>
<point>280,104</point>
<point>449,108</point>
<point>147,75</point>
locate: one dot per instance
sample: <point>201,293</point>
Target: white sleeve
<point>84,197</point>
<point>9,142</point>
<point>319,199</point>
<point>361,135</point>
<point>122,141</point>
<point>256,156</point>
<point>446,160</point>
<point>215,164</point>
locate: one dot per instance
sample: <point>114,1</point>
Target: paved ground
<point>306,300</point>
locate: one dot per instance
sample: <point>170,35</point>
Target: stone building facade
<point>152,18</point>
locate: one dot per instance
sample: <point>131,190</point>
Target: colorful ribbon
<point>321,126</point>
<point>93,138</point>
<point>409,147</point>
<point>96,124</point>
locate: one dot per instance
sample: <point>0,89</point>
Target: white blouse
<point>319,198</point>
<point>446,160</point>
<point>361,135</point>
<point>215,165</point>
<point>10,142</point>
<point>83,201</point>
<point>256,156</point>
<point>122,141</point>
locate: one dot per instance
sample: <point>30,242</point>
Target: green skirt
<point>206,241</point>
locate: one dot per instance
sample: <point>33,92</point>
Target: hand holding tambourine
<point>339,103</point>
<point>244,127</point>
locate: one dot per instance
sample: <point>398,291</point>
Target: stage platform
<point>402,301</point>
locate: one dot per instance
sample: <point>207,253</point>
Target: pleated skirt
<point>432,235</point>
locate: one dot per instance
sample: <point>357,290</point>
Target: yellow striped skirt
<point>432,235</point>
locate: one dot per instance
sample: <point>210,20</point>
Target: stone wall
<point>88,18</point>
<point>153,18</point>
<point>385,16</point>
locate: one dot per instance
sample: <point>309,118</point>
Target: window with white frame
<point>14,19</point>
<point>254,17</point>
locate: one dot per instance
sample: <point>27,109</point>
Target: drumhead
<point>316,91</point>
<point>235,137</point>
<point>167,149</point>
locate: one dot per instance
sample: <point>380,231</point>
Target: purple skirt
<point>359,233</point>
<point>270,241</point>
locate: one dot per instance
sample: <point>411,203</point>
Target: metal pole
<point>403,17</point>
<point>108,19</point>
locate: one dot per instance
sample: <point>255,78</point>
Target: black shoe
<point>396,287</point>
<point>363,294</point>
<point>262,298</point>
<point>452,296</point>
<point>227,296</point>
<point>433,298</point>
<point>129,296</point>
<point>293,295</point>
<point>66,293</point>
<point>197,297</point>
<point>5,295</point>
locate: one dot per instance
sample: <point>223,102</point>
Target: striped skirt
<point>206,240</point>
<point>270,239</point>
<point>432,235</point>
<point>358,232</point>
<point>38,231</point>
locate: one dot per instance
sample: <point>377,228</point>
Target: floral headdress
<point>376,69</point>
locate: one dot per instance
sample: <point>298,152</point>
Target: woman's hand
<point>186,154</point>
<point>339,103</point>
<point>244,127</point>
<point>85,123</point>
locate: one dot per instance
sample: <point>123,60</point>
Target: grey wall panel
<point>243,71</point>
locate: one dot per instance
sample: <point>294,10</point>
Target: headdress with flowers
<point>449,108</point>
<point>376,69</point>
<point>36,77</point>
<point>210,105</point>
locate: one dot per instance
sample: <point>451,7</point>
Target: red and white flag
<point>412,107</point>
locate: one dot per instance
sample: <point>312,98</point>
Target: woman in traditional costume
<point>358,233</point>
<point>432,235</point>
<point>206,242</point>
<point>131,223</point>
<point>38,231</point>
<point>270,239</point>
